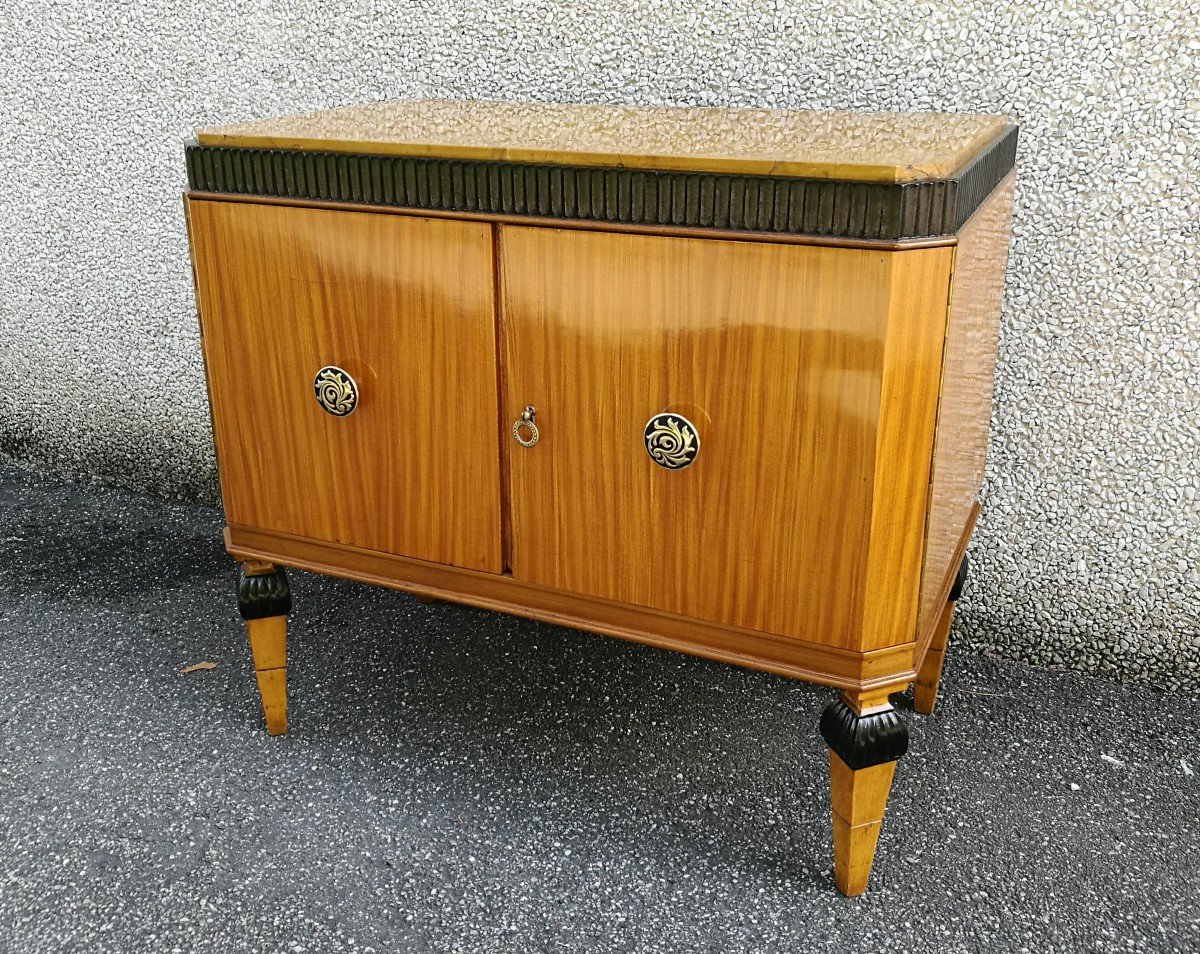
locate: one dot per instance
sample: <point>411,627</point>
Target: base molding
<point>795,658</point>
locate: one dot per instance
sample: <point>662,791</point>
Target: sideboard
<point>716,381</point>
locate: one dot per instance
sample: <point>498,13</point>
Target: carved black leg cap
<point>960,579</point>
<point>267,594</point>
<point>863,741</point>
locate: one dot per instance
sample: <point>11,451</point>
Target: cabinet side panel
<point>908,405</point>
<point>197,297</point>
<point>405,306</point>
<point>976,295</point>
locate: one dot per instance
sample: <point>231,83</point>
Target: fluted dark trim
<point>863,741</point>
<point>960,579</point>
<point>819,207</point>
<point>267,594</point>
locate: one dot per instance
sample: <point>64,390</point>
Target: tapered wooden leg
<point>859,799</point>
<point>264,600</point>
<point>422,598</point>
<point>865,736</point>
<point>268,645</point>
<point>929,676</point>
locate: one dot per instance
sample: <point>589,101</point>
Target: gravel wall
<point>1088,549</point>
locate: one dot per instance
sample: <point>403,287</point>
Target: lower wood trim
<point>807,661</point>
<point>926,637</point>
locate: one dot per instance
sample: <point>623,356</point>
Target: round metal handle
<point>671,441</point>
<point>335,391</point>
<point>526,421</point>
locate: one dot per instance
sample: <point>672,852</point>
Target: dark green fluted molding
<point>789,206</point>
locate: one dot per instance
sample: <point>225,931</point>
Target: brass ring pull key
<point>526,421</point>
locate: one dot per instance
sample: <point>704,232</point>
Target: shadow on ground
<point>460,780</point>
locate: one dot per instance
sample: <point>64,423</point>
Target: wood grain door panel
<point>779,355</point>
<point>405,305</point>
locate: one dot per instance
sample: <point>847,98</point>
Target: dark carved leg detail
<point>263,591</point>
<point>264,600</point>
<point>960,579</point>
<point>865,736</point>
<point>929,677</point>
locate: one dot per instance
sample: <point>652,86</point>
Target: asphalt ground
<point>458,780</point>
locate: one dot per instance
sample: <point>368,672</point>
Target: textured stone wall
<point>1088,549</point>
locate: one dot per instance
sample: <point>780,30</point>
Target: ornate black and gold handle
<point>336,391</point>
<point>671,441</point>
<point>525,426</point>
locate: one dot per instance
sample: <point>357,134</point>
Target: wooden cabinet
<point>715,381</point>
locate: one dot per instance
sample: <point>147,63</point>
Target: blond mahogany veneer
<point>405,305</point>
<point>960,450</point>
<point>715,381</point>
<point>802,515</point>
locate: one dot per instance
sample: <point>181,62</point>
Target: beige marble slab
<point>866,147</point>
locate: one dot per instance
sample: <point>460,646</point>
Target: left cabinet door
<point>403,307</point>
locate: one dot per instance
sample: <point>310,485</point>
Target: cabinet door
<point>404,306</point>
<point>780,357</point>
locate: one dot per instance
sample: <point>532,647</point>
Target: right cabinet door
<point>773,353</point>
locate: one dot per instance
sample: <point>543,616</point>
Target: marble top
<point>855,146</point>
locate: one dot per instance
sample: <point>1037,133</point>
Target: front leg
<point>264,600</point>
<point>865,736</point>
